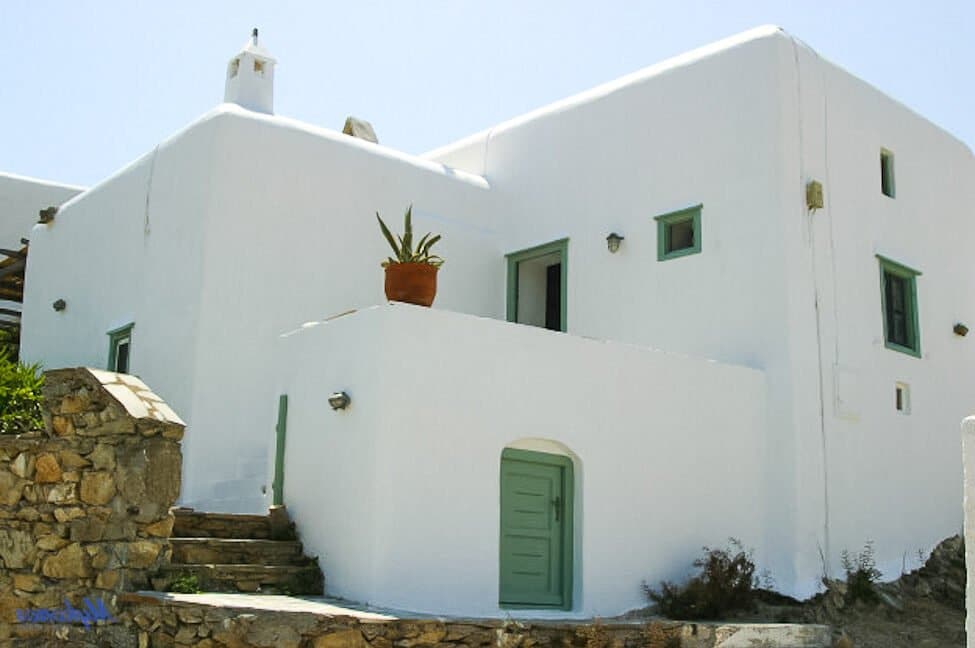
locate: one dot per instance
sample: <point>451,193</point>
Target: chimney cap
<point>253,48</point>
<point>359,128</point>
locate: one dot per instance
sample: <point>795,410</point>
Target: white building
<point>754,361</point>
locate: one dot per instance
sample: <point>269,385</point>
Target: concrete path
<point>315,604</point>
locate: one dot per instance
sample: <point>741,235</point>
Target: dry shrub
<point>726,584</point>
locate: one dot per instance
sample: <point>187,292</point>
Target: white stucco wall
<point>291,237</point>
<point>741,126</point>
<point>892,478</point>
<point>127,250</point>
<point>21,199</point>
<point>711,127</point>
<point>256,222</point>
<point>399,493</point>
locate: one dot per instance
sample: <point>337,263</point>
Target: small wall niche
<point>902,397</point>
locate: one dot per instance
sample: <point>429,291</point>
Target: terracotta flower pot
<point>413,283</point>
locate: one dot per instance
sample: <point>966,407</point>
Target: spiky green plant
<point>403,245</point>
<point>20,395</point>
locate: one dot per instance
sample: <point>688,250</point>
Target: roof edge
<point>609,87</point>
<point>41,181</point>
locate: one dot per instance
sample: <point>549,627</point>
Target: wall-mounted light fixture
<point>814,195</point>
<point>613,242</point>
<point>339,400</point>
<point>45,216</point>
<point>59,305</point>
<point>960,329</point>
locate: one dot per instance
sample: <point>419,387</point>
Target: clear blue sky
<point>89,86</point>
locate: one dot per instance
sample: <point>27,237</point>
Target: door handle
<point>557,503</point>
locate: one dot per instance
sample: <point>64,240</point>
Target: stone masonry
<point>186,620</point>
<point>84,504</point>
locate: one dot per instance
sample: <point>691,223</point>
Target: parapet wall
<point>84,504</point>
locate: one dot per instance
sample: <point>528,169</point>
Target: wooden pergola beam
<point>15,268</point>
<point>11,294</point>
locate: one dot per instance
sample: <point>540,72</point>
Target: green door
<point>536,530</point>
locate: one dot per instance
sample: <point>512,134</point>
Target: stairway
<point>223,552</point>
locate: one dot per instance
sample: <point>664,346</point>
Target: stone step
<point>267,579</point>
<point>196,524</point>
<point>237,551</point>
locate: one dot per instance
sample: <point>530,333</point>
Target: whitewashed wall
<point>255,223</point>
<point>128,250</point>
<point>741,126</point>
<point>292,236</point>
<point>892,478</point>
<point>21,199</point>
<point>709,127</point>
<point>399,494</point>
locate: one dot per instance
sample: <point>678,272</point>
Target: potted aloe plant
<point>411,273</point>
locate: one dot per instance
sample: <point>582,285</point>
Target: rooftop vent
<point>359,128</point>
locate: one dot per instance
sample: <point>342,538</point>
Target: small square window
<point>887,173</point>
<point>259,67</point>
<point>120,348</point>
<point>898,295</point>
<point>679,233</point>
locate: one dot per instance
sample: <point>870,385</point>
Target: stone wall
<point>84,504</point>
<point>173,620</point>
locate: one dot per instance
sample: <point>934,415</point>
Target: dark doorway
<point>553,297</point>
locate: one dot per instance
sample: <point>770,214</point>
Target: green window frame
<point>672,223</point>
<point>898,297</point>
<point>117,338</point>
<point>514,258</point>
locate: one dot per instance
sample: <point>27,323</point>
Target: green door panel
<point>535,555</point>
<point>277,484</point>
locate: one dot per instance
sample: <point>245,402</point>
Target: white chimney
<point>250,78</point>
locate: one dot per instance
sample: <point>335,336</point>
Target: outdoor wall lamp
<point>613,242</point>
<point>46,216</point>
<point>960,329</point>
<point>59,305</point>
<point>339,400</point>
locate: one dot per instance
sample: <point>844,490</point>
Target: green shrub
<point>20,395</point>
<point>9,341</point>
<point>185,583</point>
<point>726,583</point>
<point>861,574</point>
